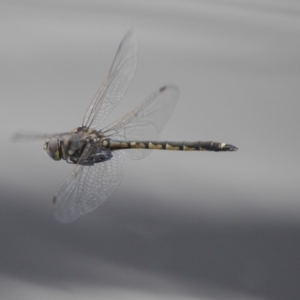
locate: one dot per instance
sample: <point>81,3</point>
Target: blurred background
<point>181,225</point>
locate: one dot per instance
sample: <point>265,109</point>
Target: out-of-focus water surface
<point>181,225</point>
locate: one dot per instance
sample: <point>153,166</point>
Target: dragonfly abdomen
<point>166,145</point>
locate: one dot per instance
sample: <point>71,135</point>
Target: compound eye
<point>53,148</point>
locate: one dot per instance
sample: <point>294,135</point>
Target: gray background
<point>181,225</point>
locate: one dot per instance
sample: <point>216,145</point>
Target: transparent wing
<point>28,136</point>
<point>146,121</point>
<point>86,188</point>
<point>115,84</point>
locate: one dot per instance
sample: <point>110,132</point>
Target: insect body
<point>97,153</point>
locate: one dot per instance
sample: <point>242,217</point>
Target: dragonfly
<point>98,154</point>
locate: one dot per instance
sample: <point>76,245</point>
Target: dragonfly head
<point>53,147</point>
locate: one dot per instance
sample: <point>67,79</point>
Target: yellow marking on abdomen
<point>186,148</point>
<point>123,145</point>
<point>170,147</point>
<point>153,146</point>
<point>137,145</point>
<point>118,145</point>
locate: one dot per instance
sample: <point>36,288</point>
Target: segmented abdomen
<point>181,146</point>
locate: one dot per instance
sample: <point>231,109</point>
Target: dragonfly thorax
<point>82,146</point>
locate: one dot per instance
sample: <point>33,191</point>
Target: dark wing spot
<point>54,200</point>
<point>162,89</point>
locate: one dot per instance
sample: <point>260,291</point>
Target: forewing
<point>115,84</point>
<point>146,121</point>
<point>27,136</point>
<point>86,188</point>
